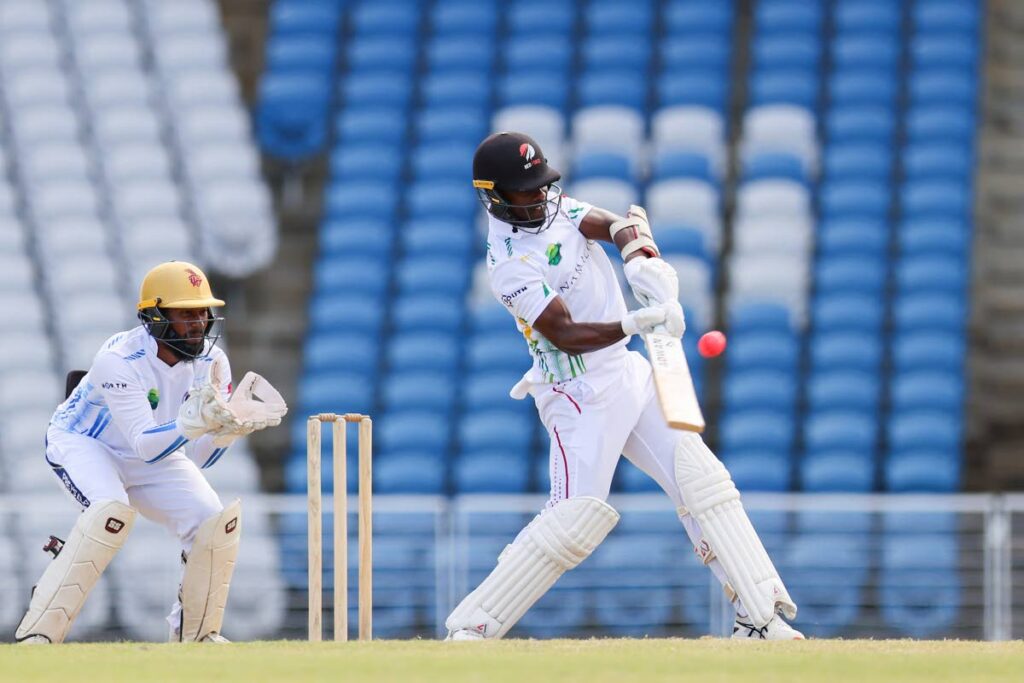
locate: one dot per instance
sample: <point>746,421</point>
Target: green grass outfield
<point>522,661</point>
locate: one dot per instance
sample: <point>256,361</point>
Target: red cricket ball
<point>711,344</point>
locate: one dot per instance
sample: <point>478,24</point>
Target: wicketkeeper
<point>596,398</point>
<point>155,407</point>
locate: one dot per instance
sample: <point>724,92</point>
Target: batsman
<point>155,407</point>
<point>596,399</point>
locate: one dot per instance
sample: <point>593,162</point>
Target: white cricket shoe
<point>776,629</point>
<point>214,637</point>
<point>34,640</point>
<point>465,634</point>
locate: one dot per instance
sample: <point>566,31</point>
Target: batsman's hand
<point>643,320</point>
<point>652,280</point>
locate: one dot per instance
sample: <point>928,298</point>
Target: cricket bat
<point>673,382</point>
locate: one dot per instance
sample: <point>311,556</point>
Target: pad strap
<point>97,536</point>
<point>208,570</point>
<point>712,499</point>
<point>555,541</point>
<point>642,239</point>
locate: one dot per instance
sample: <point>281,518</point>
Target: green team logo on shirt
<point>554,254</point>
<point>575,211</point>
<point>508,245</point>
<point>154,398</point>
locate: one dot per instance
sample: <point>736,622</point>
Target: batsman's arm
<point>558,327</point>
<point>597,225</point>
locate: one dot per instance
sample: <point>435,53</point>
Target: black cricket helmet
<point>513,162</point>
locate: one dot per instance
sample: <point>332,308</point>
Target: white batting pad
<point>557,540</point>
<point>97,536</point>
<point>208,570</point>
<point>712,498</point>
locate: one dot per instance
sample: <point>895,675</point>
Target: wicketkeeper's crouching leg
<point>711,499</point>
<point>209,566</point>
<point>97,536</point>
<point>557,540</point>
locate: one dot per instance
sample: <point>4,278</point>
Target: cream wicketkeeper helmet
<point>176,284</point>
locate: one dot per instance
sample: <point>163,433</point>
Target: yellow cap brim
<point>189,303</point>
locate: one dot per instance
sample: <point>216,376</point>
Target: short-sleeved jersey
<point>130,397</point>
<point>527,271</point>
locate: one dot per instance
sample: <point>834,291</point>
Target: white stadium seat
<point>690,129</point>
<point>608,128</point>
<point>776,197</point>
<point>125,124</point>
<point>607,193</point>
<point>694,203</point>
<point>24,16</point>
<point>781,128</point>
<point>137,161</point>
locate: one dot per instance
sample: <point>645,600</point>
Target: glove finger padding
<point>675,321</point>
<point>256,404</point>
<point>652,280</point>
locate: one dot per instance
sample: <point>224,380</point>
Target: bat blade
<point>673,382</point>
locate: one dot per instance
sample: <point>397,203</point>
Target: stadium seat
<point>838,469</point>
<point>840,429</point>
<point>843,390</point>
<point>491,472</point>
<point>431,391</point>
<point>757,430</point>
<point>846,350</point>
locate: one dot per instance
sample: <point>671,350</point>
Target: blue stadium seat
<point>922,312</point>
<point>423,351</point>
<point>504,350</point>
<point>949,237</point>
<point>602,165</point>
<point>920,430</point>
<point>786,50</point>
<point>538,52</point>
<point>307,53</point>
<point>828,573</point>
<point>853,237</point>
<point>759,317</point>
<point>705,52</point>
<point>759,469</point>
<point>917,351</point>
<point>923,470</point>
<point>495,430</point>
<point>847,312</point>
<point>464,18</point>
<point>601,53</point>
<point>491,472</point>
<point>374,162</point>
<point>373,53</point>
<point>858,161</point>
<point>868,17</point>
<point>695,17</point>
<point>454,88</point>
<point>424,391</point>
<point>785,86</point>
<point>837,468</point>
<point>445,53</point>
<point>846,350</point>
<point>386,18</point>
<point>843,390</point>
<point>946,15</point>
<point>674,164</point>
<point>390,88</point>
<point>484,391</point>
<point>408,473</point>
<point>428,311</point>
<point>365,237</point>
<point>862,87</point>
<point>438,238</point>
<point>350,274</point>
<point>943,199</point>
<point>696,87</point>
<point>611,87</point>
<point>439,161</point>
<point>841,430</point>
<point>542,17</point>
<point>490,317</point>
<point>628,477</point>
<point>931,273</point>
<point>928,50</point>
<point>291,114</point>
<point>367,199</point>
<point>422,431</point>
<point>927,390</point>
<point>432,275</point>
<point>774,165</point>
<point>382,125</point>
<point>854,274</point>
<point>764,351</point>
<point>341,351</point>
<point>338,312</point>
<point>618,17</point>
<point>855,198</point>
<point>942,86</point>
<point>863,123</point>
<point>325,391</point>
<point>451,125</point>
<point>871,50</point>
<point>300,17</point>
<point>453,199</point>
<point>920,590</point>
<point>787,15</point>
<point>938,161</point>
<point>681,241</point>
<point>644,606</point>
<point>766,389</point>
<point>760,430</point>
<point>940,123</point>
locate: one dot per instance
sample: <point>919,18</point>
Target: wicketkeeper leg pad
<point>208,570</point>
<point>97,536</point>
<point>555,541</point>
<point>712,499</point>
